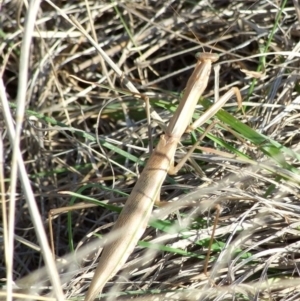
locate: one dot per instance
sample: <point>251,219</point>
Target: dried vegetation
<point>84,138</point>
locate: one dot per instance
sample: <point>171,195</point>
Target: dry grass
<point>84,137</point>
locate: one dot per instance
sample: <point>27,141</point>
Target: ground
<point>84,137</point>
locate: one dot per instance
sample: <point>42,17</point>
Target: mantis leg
<point>203,118</point>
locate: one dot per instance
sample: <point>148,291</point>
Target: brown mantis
<point>135,215</point>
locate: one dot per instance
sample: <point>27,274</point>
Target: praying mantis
<point>136,213</point>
